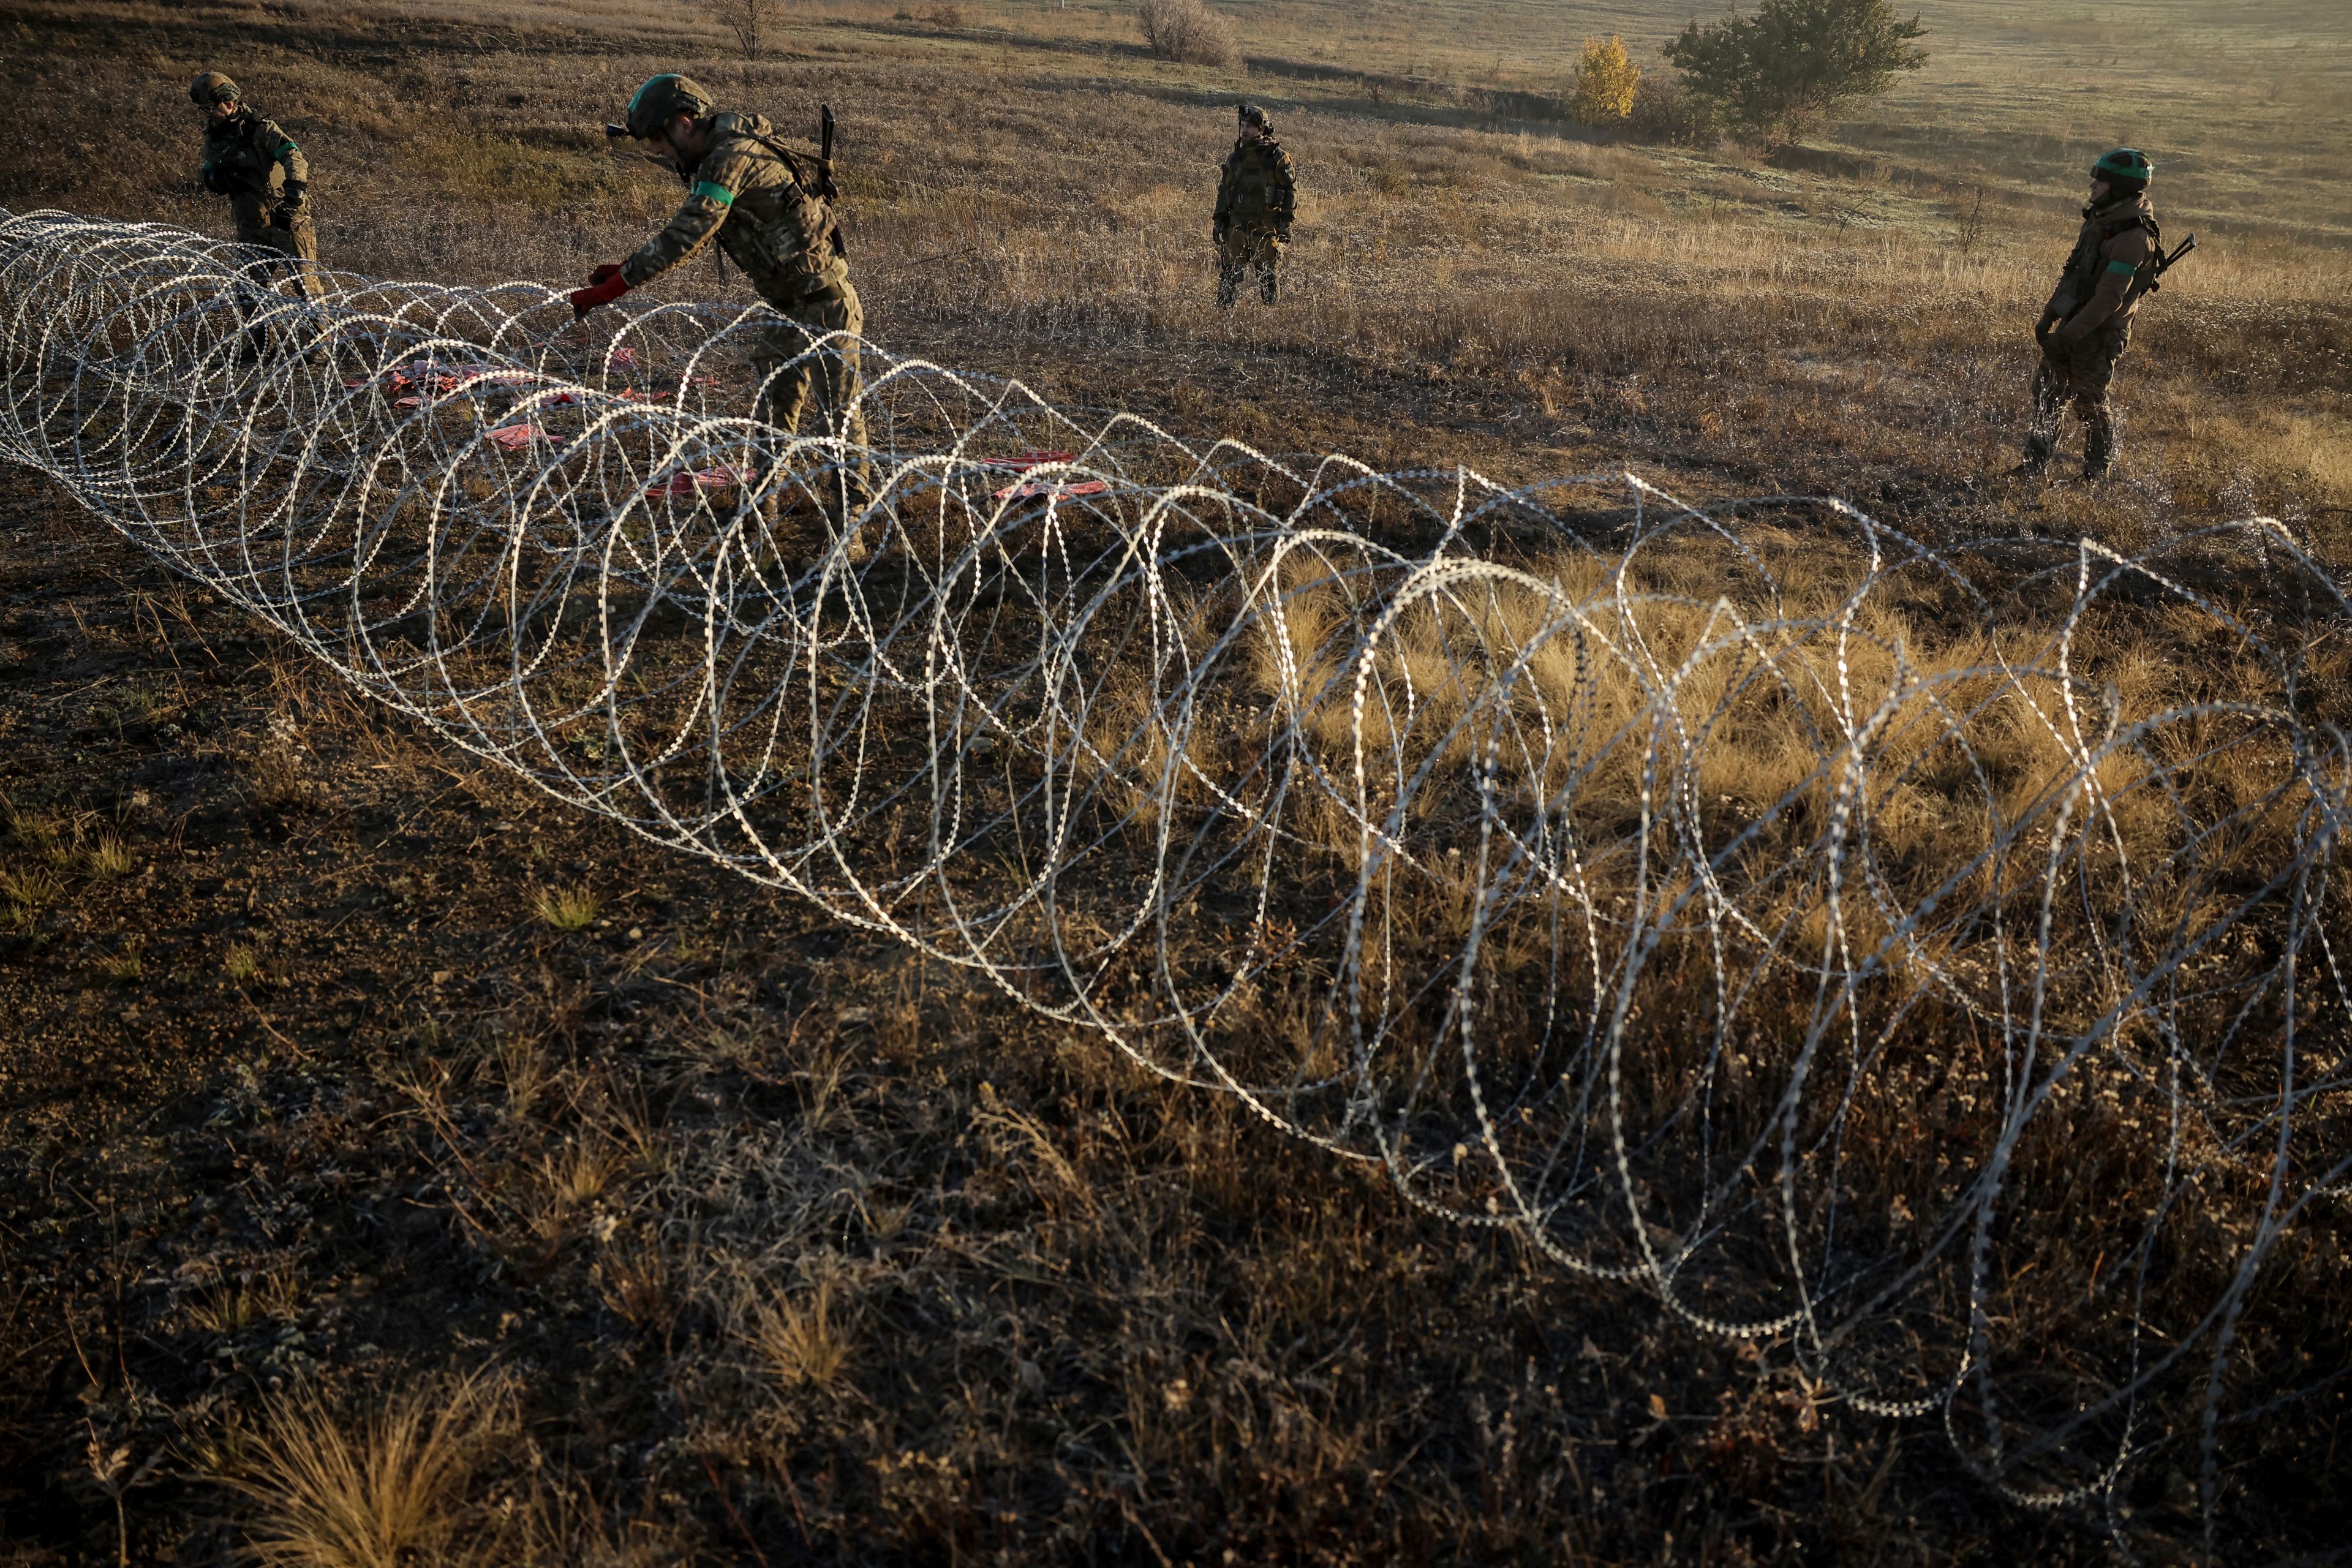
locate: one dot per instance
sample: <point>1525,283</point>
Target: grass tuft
<point>332,1489</point>
<point>268,1296</point>
<point>29,888</point>
<point>567,908</point>
<point>803,1343</point>
<point>109,858</point>
<point>34,832</point>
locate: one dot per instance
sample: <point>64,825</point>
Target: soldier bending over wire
<point>766,206</point>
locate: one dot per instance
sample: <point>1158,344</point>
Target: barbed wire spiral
<point>1866,946</point>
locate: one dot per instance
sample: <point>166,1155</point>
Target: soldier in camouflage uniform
<point>1257,199</point>
<point>765,205</point>
<point>2086,325</point>
<point>253,162</point>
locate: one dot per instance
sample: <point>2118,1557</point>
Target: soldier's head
<point>2122,173</point>
<point>214,94</point>
<point>666,115</point>
<point>1254,122</point>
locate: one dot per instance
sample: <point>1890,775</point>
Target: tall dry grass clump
<point>1187,31</point>
<point>384,1489</point>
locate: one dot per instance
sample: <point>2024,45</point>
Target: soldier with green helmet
<point>767,206</point>
<point>251,160</point>
<point>1257,199</point>
<point>2086,325</point>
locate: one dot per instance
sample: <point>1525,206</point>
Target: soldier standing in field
<point>2087,323</point>
<point>1257,199</point>
<point>768,207</point>
<point>253,162</point>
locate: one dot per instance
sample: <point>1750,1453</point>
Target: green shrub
<point>1791,67</point>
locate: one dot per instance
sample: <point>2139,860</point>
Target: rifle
<point>825,185</point>
<point>2132,296</point>
<point>830,191</point>
<point>2156,278</point>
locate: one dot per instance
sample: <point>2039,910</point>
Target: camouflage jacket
<point>246,155</point>
<point>761,202</point>
<point>2116,243</point>
<point>1257,190</point>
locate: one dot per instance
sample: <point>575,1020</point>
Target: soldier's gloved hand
<point>1218,234</point>
<point>604,285</point>
<point>1283,234</point>
<point>293,195</point>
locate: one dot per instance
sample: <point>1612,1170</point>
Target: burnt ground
<point>303,1093</point>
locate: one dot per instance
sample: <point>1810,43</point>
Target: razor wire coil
<point>1748,901</point>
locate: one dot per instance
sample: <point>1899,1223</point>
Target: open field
<point>360,1099</point>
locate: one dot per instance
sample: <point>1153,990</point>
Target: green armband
<point>717,192</point>
<point>2126,267</point>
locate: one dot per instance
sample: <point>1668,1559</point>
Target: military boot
<point>2098,450</point>
<point>853,495</point>
<point>2038,449</point>
<point>1268,284</point>
<point>1228,287</point>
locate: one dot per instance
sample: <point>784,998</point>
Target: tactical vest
<point>235,163</point>
<point>786,238</point>
<point>1253,191</point>
<point>2086,264</point>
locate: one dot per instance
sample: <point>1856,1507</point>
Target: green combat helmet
<point>213,87</point>
<point>662,100</point>
<point>1251,114</point>
<point>2126,168</point>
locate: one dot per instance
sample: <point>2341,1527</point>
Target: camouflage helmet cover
<point>662,100</point>
<point>212,87</point>
<point>2124,166</point>
<point>1251,114</point>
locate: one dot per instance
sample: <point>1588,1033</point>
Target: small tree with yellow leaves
<point>1605,80</point>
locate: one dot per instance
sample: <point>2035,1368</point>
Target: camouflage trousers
<point>1245,249</point>
<point>790,382</point>
<point>296,240</point>
<point>2079,373</point>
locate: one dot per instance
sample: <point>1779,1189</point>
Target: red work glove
<point>604,285</point>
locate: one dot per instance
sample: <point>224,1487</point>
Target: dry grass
<point>1863,340</point>
<point>28,888</point>
<point>801,1340</point>
<point>378,1487</point>
<point>109,857</point>
<point>566,908</point>
<point>257,1296</point>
